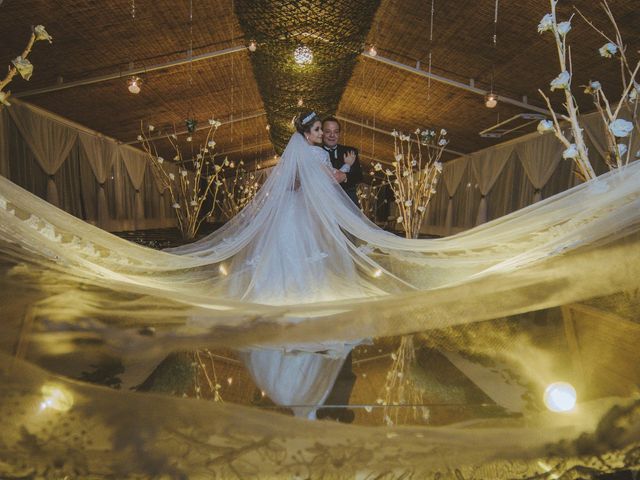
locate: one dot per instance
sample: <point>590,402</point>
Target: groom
<point>337,153</point>
<point>345,380</point>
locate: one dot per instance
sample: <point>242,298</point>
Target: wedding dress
<point>299,271</point>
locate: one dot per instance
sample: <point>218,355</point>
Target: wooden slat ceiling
<point>99,38</point>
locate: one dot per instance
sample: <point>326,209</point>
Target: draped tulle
<point>300,268</point>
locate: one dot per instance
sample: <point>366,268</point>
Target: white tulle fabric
<point>300,269</point>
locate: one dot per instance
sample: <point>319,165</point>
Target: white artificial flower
<point>160,160</point>
<point>41,33</point>
<point>413,163</point>
<point>175,205</point>
<point>183,173</point>
<point>608,50</point>
<point>621,128</point>
<point>176,158</point>
<point>438,166</point>
<point>394,163</point>
<point>172,176</point>
<point>405,173</point>
<point>189,138</point>
<point>622,149</point>
<point>546,23</point>
<point>405,138</point>
<point>199,156</point>
<point>217,168</point>
<point>211,144</point>
<point>564,27</point>
<point>214,123</point>
<point>417,132</point>
<point>394,133</point>
<point>3,98</point>
<point>408,203</point>
<point>174,136</point>
<point>398,157</point>
<point>193,203</point>
<point>226,162</point>
<point>545,126</point>
<point>377,167</point>
<point>421,209</point>
<point>595,85</point>
<point>24,67</point>
<point>218,183</point>
<point>443,132</point>
<point>196,164</point>
<point>571,152</point>
<point>399,220</point>
<point>139,137</point>
<point>442,142</point>
<point>388,172</point>
<point>151,128</point>
<point>561,81</point>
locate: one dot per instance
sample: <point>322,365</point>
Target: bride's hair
<point>305,120</point>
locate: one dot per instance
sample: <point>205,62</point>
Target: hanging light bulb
<point>560,397</point>
<point>303,55</point>
<point>253,46</point>
<point>372,51</point>
<point>490,100</point>
<point>134,84</point>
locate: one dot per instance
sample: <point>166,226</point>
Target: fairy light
<point>377,273</point>
<point>56,397</point>
<point>222,269</point>
<point>560,397</point>
<point>372,51</point>
<point>303,55</point>
<point>253,46</point>
<point>230,380</point>
<point>134,84</point>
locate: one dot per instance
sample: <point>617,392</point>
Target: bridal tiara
<point>308,117</point>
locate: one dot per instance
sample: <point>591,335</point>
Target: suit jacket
<point>354,177</point>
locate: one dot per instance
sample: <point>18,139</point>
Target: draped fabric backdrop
<point>113,187</point>
<point>81,171</point>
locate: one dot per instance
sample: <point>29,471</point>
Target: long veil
<point>300,265</point>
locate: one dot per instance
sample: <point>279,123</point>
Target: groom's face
<point>331,132</point>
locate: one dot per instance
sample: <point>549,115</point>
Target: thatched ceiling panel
<point>94,38</point>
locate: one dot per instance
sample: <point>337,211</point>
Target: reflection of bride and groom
<point>306,374</point>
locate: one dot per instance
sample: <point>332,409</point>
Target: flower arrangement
<point>617,128</point>
<point>368,196</point>
<point>21,65</point>
<point>415,175</point>
<point>413,180</point>
<point>237,189</point>
<point>189,189</point>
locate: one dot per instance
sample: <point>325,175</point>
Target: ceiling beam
<point>454,83</point>
<point>387,132</point>
<point>127,73</point>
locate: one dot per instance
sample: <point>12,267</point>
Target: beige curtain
<point>540,158</point>
<point>486,166</point>
<point>135,163</point>
<point>50,142</point>
<point>100,155</point>
<point>452,173</point>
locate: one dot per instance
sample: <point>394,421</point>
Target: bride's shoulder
<point>319,152</point>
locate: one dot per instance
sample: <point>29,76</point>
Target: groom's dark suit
<point>354,177</point>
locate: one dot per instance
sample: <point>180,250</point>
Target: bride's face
<point>315,134</point>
